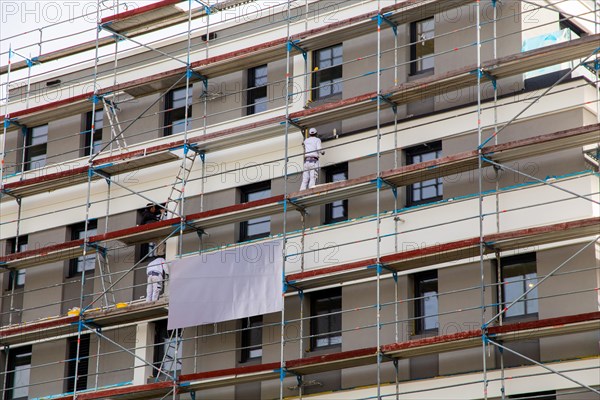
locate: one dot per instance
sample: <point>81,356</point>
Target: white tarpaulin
<point>226,285</point>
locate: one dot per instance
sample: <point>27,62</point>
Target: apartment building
<point>449,250</point>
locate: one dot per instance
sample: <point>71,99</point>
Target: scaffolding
<point>105,309</point>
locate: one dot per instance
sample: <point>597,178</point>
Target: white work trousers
<point>310,174</point>
<point>153,287</point>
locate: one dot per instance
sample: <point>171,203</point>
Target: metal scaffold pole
<point>5,125</point>
<point>481,198</point>
<point>282,372</point>
<point>80,325</point>
<point>378,200</point>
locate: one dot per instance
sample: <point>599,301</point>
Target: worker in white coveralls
<point>158,273</point>
<point>312,151</point>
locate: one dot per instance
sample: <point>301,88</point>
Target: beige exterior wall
<point>49,292</point>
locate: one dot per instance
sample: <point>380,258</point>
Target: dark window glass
<point>255,228</point>
<point>252,338</point>
<point>19,372</point>
<point>422,48</point>
<point>35,147</point>
<point>326,319</point>
<point>81,263</point>
<point>431,189</point>
<point>338,210</point>
<point>327,75</point>
<point>519,275</point>
<point>257,89</point>
<point>98,125</point>
<point>546,395</point>
<point>82,367</point>
<point>175,111</point>
<point>19,275</point>
<point>426,302</point>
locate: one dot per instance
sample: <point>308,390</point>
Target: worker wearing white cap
<point>312,151</point>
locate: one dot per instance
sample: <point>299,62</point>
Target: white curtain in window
<point>233,283</point>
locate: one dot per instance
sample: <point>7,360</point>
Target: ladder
<point>111,109</point>
<point>171,361</point>
<point>105,278</point>
<point>177,189</point>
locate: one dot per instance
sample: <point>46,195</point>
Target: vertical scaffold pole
<point>184,178</point>
<point>597,61</point>
<point>285,202</point>
<point>480,188</point>
<point>500,321</point>
<point>497,195</point>
<point>87,203</point>
<point>495,86</point>
<point>13,283</point>
<point>378,199</point>
<point>205,110</point>
<point>186,117</point>
<point>396,219</point>
<point>6,122</point>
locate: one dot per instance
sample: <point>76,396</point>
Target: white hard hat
<point>312,131</point>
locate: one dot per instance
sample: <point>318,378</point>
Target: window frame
<point>419,151</point>
<point>245,193</point>
<point>76,230</point>
<point>170,113</point>
<point>13,363</point>
<point>527,261</point>
<point>334,73</point>
<point>257,92</point>
<point>82,367</point>
<point>251,338</point>
<point>330,173</point>
<point>416,61</point>
<point>420,315</point>
<point>11,243</point>
<point>99,120</point>
<point>565,22</point>
<point>35,149</point>
<point>332,316</point>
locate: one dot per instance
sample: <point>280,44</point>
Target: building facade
<point>449,250</point>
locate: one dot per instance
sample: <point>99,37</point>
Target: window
<point>426,302</point>
<point>338,210</point>
<point>166,349</point>
<point>547,395</point>
<point>19,372</point>
<point>19,275</point>
<point>82,366</point>
<point>252,338</point>
<point>98,125</point>
<point>257,89</point>
<point>519,275</point>
<point>566,23</point>
<point>327,79</point>
<point>36,147</point>
<point>258,227</point>
<point>422,46</point>
<point>175,111</point>
<point>81,263</point>
<point>326,319</point>
<point>431,189</point>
